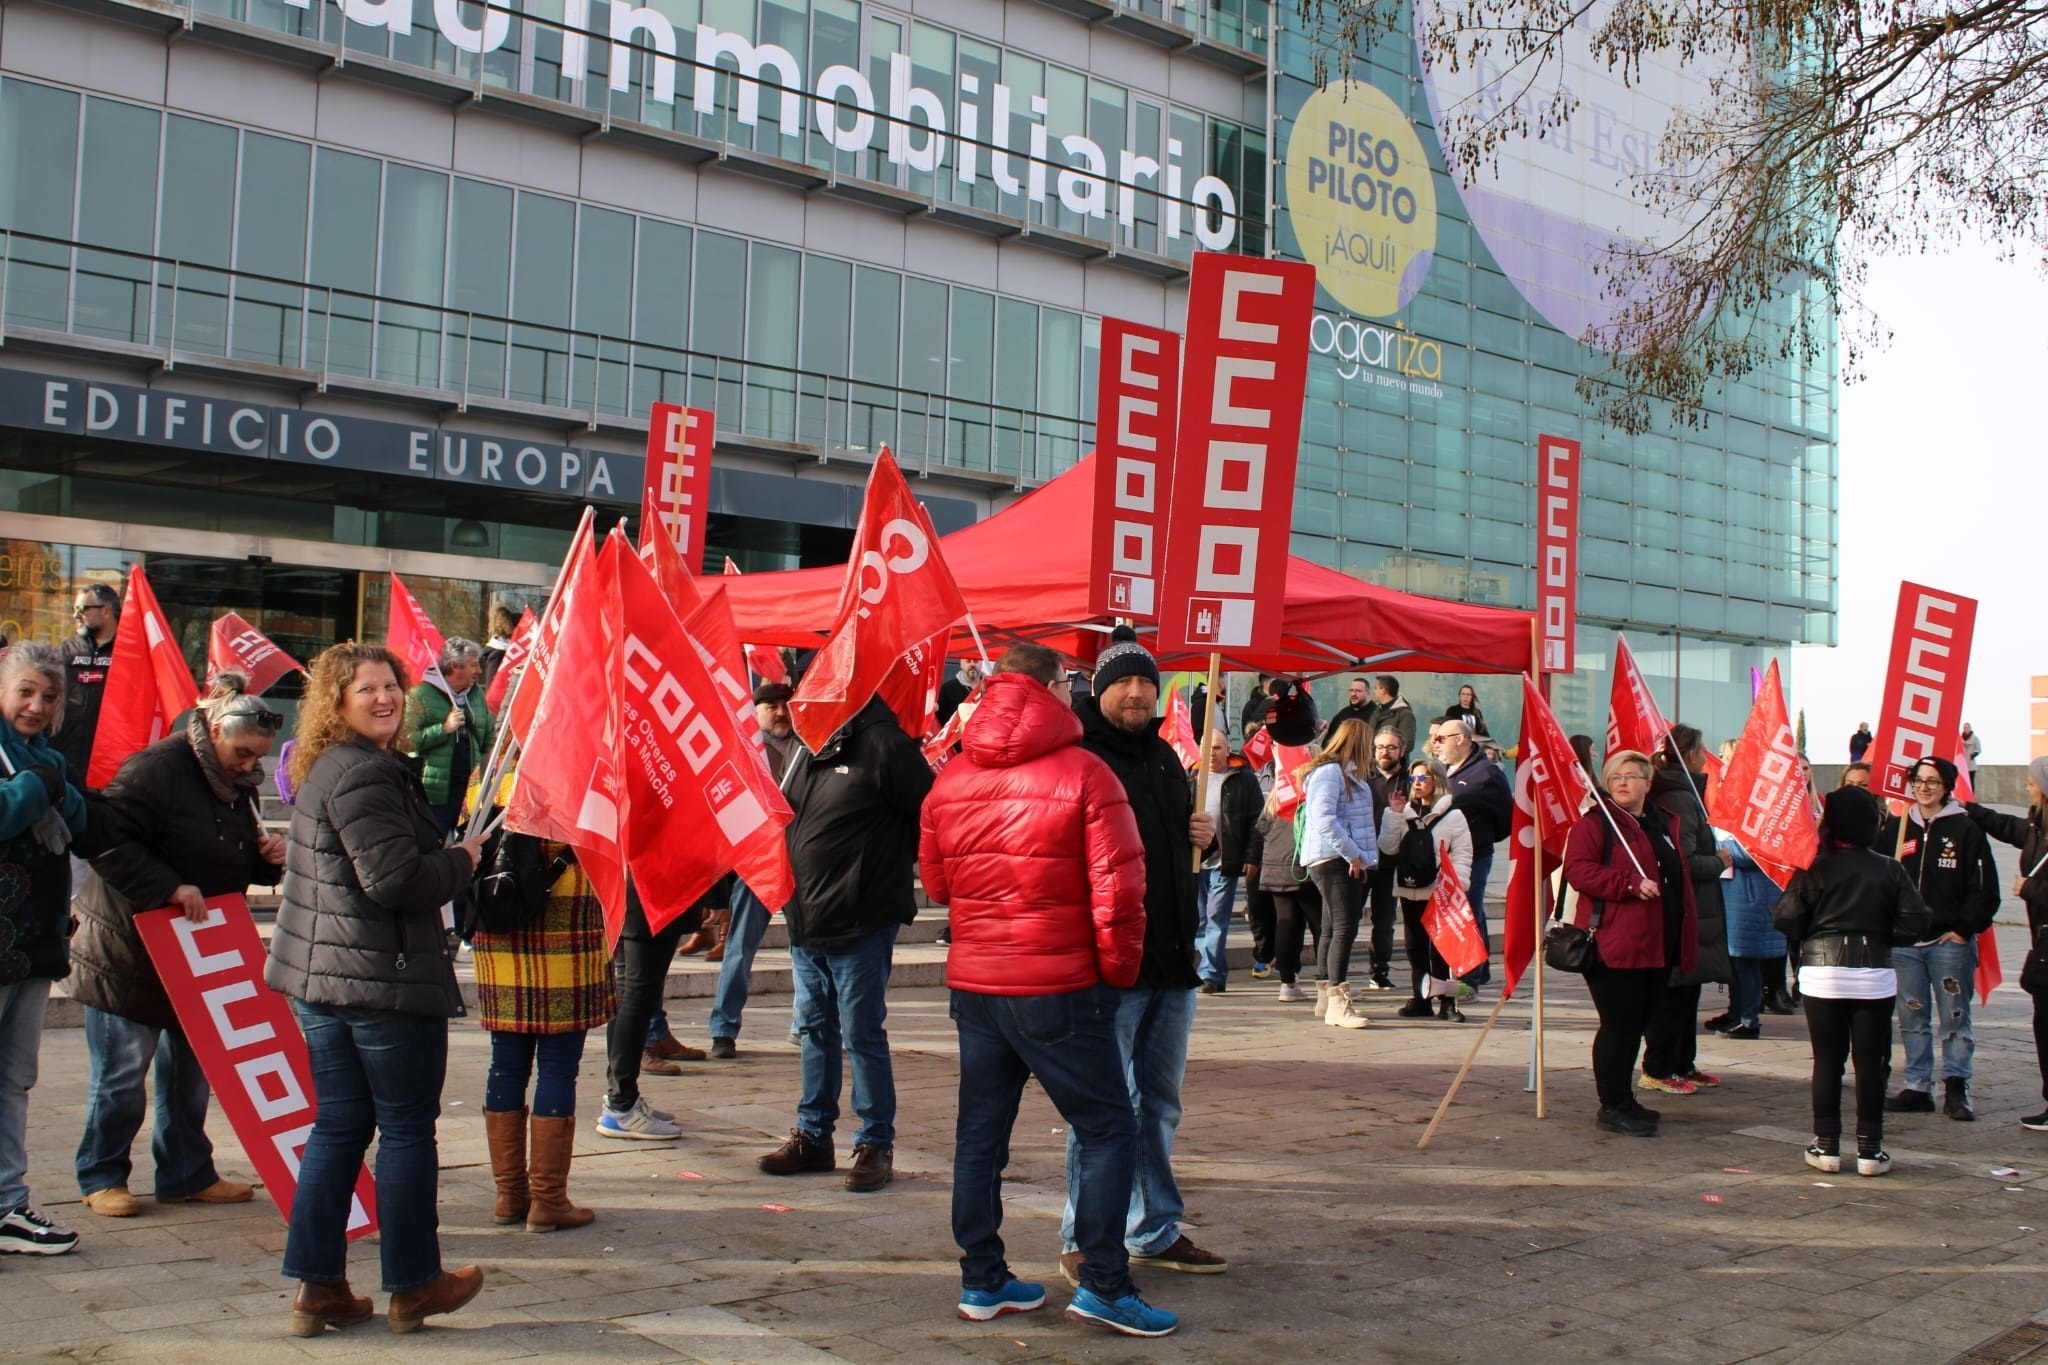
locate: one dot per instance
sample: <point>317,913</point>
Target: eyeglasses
<point>265,719</point>
<point>1925,782</point>
<point>89,606</point>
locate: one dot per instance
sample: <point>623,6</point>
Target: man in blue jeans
<point>852,845</point>
<point>1233,802</point>
<point>749,916</point>
<point>1154,1015</point>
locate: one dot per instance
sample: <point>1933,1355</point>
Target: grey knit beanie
<point>1122,658</point>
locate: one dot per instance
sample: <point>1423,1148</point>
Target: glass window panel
<point>604,304</point>
<point>970,361</point>
<point>479,282</point>
<point>772,342</point>
<point>543,261</point>
<point>270,239</point>
<point>344,257</point>
<point>720,321</point>
<point>195,227</point>
<point>38,176</point>
<point>877,321</point>
<point>116,208</point>
<point>827,334</point>
<point>414,253</point>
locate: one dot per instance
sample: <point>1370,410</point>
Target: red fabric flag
<point>1716,769</point>
<point>912,685</point>
<point>235,645</point>
<point>1288,761</point>
<point>541,652</point>
<point>412,635</point>
<point>765,661</point>
<point>1763,800</point>
<point>1550,786</point>
<point>671,573</point>
<point>148,683</point>
<point>1179,730</point>
<point>1449,922</point>
<point>898,591</point>
<point>516,650</point>
<point>1966,790</point>
<point>1258,750</point>
<point>938,750</point>
<point>698,798</point>
<point>567,784</point>
<point>1633,720</point>
<point>1990,971</point>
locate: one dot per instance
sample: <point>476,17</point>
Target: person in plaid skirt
<point>540,989</point>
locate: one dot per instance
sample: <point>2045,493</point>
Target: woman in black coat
<point>359,948</point>
<point>1679,789</point>
<point>179,826</point>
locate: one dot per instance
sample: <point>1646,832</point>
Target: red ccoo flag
<point>516,650</point>
<point>1990,971</point>
<point>541,651</point>
<point>912,686</point>
<point>1288,793</point>
<point>765,661</point>
<point>1763,800</point>
<point>1449,922</point>
<point>1633,720</point>
<point>412,635</point>
<point>1179,729</point>
<point>1550,786</point>
<point>236,646</point>
<point>898,592</point>
<point>148,683</point>
<point>1258,750</point>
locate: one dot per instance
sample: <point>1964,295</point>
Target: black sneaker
<point>1417,1008</point>
<point>1211,986</point>
<point>2037,1122</point>
<point>1743,1033</point>
<point>1955,1100</point>
<point>1910,1102</point>
<point>1825,1155</point>
<point>1717,1023</point>
<point>723,1049</point>
<point>1626,1123</point>
<point>1381,981</point>
<point>29,1230</point>
<point>1642,1111</point>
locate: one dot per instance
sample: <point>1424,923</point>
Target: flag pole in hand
<point>1202,764</point>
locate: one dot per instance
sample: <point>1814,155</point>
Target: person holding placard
<point>1419,824</point>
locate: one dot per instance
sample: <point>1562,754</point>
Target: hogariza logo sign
<point>844,107</point>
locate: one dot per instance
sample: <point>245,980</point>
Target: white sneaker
<point>1876,1164</point>
<point>1290,992</point>
<point>639,1122</point>
<point>1821,1159</point>
<point>31,1231</point>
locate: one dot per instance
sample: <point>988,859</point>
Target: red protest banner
<point>1288,793</point>
<point>1763,800</point>
<point>235,645</point>
<point>1550,788</point>
<point>912,686</point>
<point>898,592</point>
<point>765,662</point>
<point>1231,502</point>
<point>412,635</point>
<point>148,683</point>
<point>1258,750</point>
<point>516,650</point>
<point>678,582</point>
<point>246,1040</point>
<point>1449,922</point>
<point>1557,551</point>
<point>677,491</point>
<point>547,635</point>
<point>1922,714</point>
<point>1135,415</point>
<point>1633,719</point>
<point>1179,729</point>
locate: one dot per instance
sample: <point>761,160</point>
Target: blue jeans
<point>1482,864</point>
<point>1069,1043</point>
<point>1152,1028</point>
<point>21,1039</point>
<point>842,1001</point>
<point>1746,994</point>
<point>1218,893</point>
<point>514,1059</point>
<point>373,1071</point>
<point>1936,981</point>
<point>120,1051</point>
<point>736,971</point>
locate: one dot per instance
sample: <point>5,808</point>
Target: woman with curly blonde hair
<point>360,953</point>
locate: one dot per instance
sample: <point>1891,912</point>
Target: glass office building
<point>297,293</point>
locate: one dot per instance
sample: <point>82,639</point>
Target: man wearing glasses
<point>1949,860</point>
<point>87,656</point>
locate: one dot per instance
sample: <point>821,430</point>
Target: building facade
<point>296,294</point>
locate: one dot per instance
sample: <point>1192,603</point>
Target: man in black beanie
<point>1154,1016</point>
<point>1949,860</point>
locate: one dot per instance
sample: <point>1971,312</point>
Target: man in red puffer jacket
<point>1030,840</point>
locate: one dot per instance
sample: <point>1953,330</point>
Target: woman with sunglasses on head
<point>180,826</point>
<point>1417,828</point>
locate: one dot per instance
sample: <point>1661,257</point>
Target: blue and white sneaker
<point>640,1122</point>
<point>1018,1296</point>
<point>1261,970</point>
<point>1129,1315</point>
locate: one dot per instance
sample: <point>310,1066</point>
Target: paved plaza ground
<point>1510,1238</point>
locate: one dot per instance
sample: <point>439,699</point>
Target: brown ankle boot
<point>721,926</point>
<point>321,1306</point>
<point>699,938</point>
<point>552,1141</point>
<point>444,1294</point>
<point>507,1135</point>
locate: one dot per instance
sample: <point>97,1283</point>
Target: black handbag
<point>1567,947</point>
<point>2034,972</point>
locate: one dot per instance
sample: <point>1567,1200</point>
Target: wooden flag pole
<point>1536,870</point>
<point>1459,1079</point>
<point>1213,705</point>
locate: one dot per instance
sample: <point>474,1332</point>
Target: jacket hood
<point>1952,808</point>
<point>1665,779</point>
<point>1019,719</point>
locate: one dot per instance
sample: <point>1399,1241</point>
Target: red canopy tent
<point>1023,572</point>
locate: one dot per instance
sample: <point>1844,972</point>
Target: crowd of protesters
<point>1090,897</point>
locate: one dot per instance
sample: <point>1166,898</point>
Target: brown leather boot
<point>506,1133</point>
<point>553,1140</point>
<point>672,1049</point>
<point>722,927</point>
<point>873,1167</point>
<point>798,1155</point>
<point>443,1294</point>
<point>321,1306</point>
<point>700,938</point>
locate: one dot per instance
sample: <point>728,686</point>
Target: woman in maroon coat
<point>1635,897</point>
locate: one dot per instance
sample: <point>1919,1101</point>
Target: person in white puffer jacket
<point>1419,826</point>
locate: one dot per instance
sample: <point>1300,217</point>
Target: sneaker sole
<point>2035,1127</point>
<point>1882,1170</point>
<point>637,1137</point>
<point>1081,1315</point>
<point>1827,1165</point>
<point>30,1249</point>
<point>975,1313</point>
<point>1184,1267</point>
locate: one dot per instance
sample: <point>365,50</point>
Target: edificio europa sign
<point>844,107</point>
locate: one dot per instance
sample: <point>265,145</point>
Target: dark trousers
<point>2041,1040</point>
<point>1258,913</point>
<point>516,1057</point>
<point>1069,1043</point>
<point>1343,907</point>
<point>1294,911</point>
<point>1671,1047</point>
<point>1841,1030</point>
<point>1774,974</point>
<point>1626,998</point>
<point>1424,961</point>
<point>1386,913</point>
<point>639,971</point>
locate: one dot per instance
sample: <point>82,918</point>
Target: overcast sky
<point>1943,482</point>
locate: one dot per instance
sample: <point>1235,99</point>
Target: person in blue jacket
<point>41,812</point>
<point>1753,941</point>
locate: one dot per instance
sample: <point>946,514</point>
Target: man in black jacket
<point>1949,860</point>
<point>87,657</point>
<point>1358,705</point>
<point>1154,1016</point>
<point>1389,776</point>
<point>1480,790</point>
<point>853,848</point>
<point>1233,802</point>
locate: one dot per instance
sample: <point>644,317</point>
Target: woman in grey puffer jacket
<point>1295,902</point>
<point>360,951</point>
